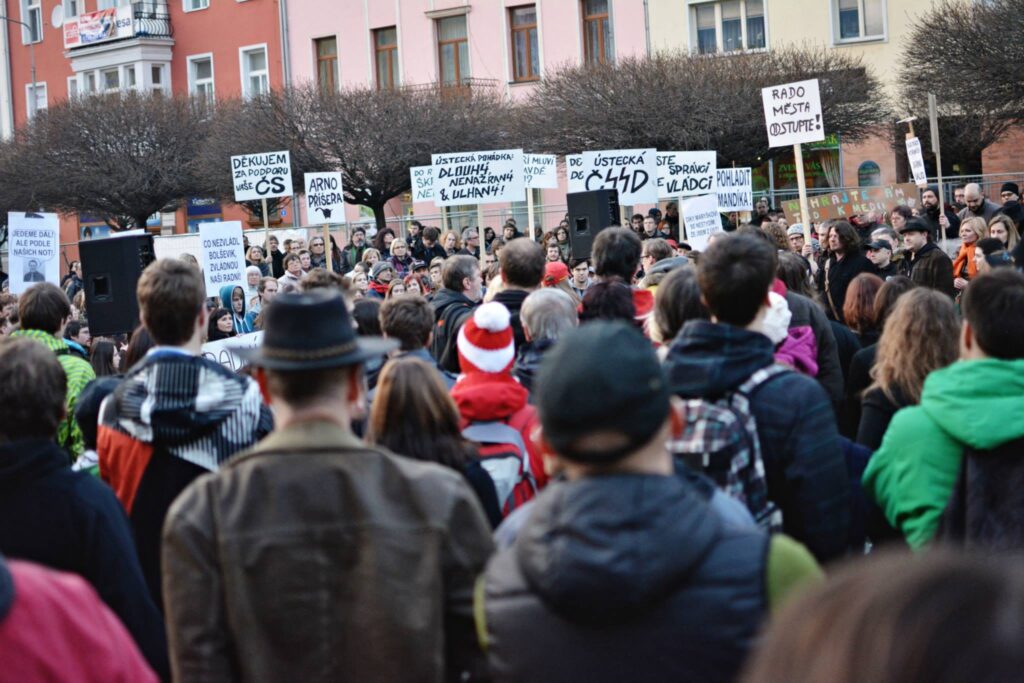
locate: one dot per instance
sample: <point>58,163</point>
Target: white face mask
<point>776,320</point>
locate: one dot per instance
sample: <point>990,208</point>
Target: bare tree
<point>122,156</point>
<point>680,101</point>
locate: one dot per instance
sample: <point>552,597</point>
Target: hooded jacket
<point>930,267</point>
<point>804,466</point>
<point>806,313</point>
<point>239,320</point>
<point>966,404</point>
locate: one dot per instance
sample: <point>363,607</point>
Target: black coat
<point>930,267</point>
<point>513,299</point>
<point>857,380</point>
<point>876,414</point>
<point>805,312</point>
<point>834,278</point>
<point>932,220</point>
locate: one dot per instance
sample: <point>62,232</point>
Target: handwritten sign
<point>262,176</point>
<point>478,177</point>
<point>33,241</point>
<point>574,173</point>
<point>735,190</point>
<point>539,171</point>
<point>792,113</point>
<point>224,351</point>
<point>850,203</point>
<point>916,159</point>
<point>421,179</point>
<point>700,216</point>
<point>223,255</point>
<point>325,202</point>
<point>685,174</point>
<point>633,172</point>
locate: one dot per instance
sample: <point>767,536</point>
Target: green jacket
<point>79,373</point>
<point>970,403</point>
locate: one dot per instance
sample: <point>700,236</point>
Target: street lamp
<point>32,60</point>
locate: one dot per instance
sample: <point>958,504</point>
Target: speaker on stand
<point>110,269</point>
<point>590,213</point>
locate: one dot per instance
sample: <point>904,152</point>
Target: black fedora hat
<point>311,330</point>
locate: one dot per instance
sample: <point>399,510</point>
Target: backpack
<point>986,507</point>
<point>502,453</point>
<point>444,344</point>
<point>720,440</point>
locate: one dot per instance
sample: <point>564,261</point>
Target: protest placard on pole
<point>735,190</point>
<point>701,218</point>
<point>33,244</point>
<point>916,159</point>
<point>540,172</point>
<point>933,120</point>
<point>262,176</point>
<point>846,204</point>
<point>792,114</point>
<point>686,174</point>
<point>574,173</point>
<point>223,255</point>
<point>478,177</point>
<point>633,172</point>
<point>421,180</point>
<point>325,201</point>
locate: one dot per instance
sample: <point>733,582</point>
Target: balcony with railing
<point>140,20</point>
<point>461,88</point>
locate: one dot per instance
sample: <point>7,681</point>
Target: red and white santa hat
<point>486,343</point>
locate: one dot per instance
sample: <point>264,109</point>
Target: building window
<point>327,63</point>
<point>453,50</point>
<point>385,54</point>
<point>36,99</point>
<point>859,19</point>
<point>525,51</point>
<point>255,76</point>
<point>32,15</point>
<point>71,8</point>
<point>193,5</point>
<point>89,82</point>
<point>729,26</point>
<point>111,79</point>
<point>200,76</point>
<point>72,87</point>
<point>156,77</point>
<point>598,47</point>
<point>129,76</point>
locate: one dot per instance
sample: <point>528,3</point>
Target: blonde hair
<point>444,237</point>
<point>369,252</point>
<point>398,240</point>
<point>920,335</point>
<point>977,226</point>
<point>1011,229</point>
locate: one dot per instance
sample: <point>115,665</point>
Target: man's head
<point>383,272</point>
<point>973,197</point>
<point>44,307</point>
<point>915,234</point>
<point>616,253</point>
<point>929,197</point>
<point>415,228</point>
<point>580,271</point>
<point>958,195</point>
<point>899,217</point>
<point>762,206</point>
<point>522,264</point>
<point>305,259</point>
<point>879,253</point>
<point>32,390</point>
<point>461,274</point>
<point>795,236</point>
<point>842,238</point>
<point>470,238</point>
<point>650,225</point>
<point>735,274</point>
<point>272,243</point>
<point>654,250</point>
<point>78,332</point>
<point>430,236</point>
<point>171,295</point>
<point>1009,192</point>
<point>548,314</point>
<point>636,221</point>
<point>993,323</point>
<point>407,319</point>
<point>889,235</point>
<point>267,289</point>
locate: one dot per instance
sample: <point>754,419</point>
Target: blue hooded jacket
<point>241,323</point>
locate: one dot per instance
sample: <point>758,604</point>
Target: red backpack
<point>502,452</point>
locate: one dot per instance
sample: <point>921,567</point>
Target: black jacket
<point>624,577</point>
<point>796,426</point>
<point>838,275</point>
<point>876,414</point>
<point>807,313</point>
<point>72,522</point>
<point>277,263</point>
<point>428,254</point>
<point>451,309</point>
<point>513,299</point>
<point>930,267</point>
<point>858,378</point>
<point>932,219</point>
<point>528,358</point>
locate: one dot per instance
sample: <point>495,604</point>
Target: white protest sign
<point>173,246</point>
<point>574,173</point>
<point>684,174</point>
<point>700,216</point>
<point>421,179</point>
<point>478,177</point>
<point>633,172</point>
<point>224,350</point>
<point>223,255</point>
<point>540,171</point>
<point>792,113</point>
<point>33,243</point>
<point>916,159</point>
<point>325,202</point>
<point>262,176</point>
<point>735,190</point>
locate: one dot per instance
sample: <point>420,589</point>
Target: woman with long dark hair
<point>105,358</point>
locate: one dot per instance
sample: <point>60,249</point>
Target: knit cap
<point>486,343</point>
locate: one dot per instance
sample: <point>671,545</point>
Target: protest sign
<point>223,255</point>
<point>701,220</point>
<point>685,174</point>
<point>325,202</point>
<point>574,172</point>
<point>33,242</point>
<point>735,190</point>
<point>262,176</point>
<point>850,203</point>
<point>478,177</point>
<point>422,183</point>
<point>224,351</point>
<point>633,172</point>
<point>916,159</point>
<point>792,113</point>
<point>174,246</point>
<point>539,171</point>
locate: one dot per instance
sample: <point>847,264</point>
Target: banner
<point>792,113</point>
<point>478,177</point>
<point>633,172</point>
<point>33,240</point>
<point>701,219</point>
<point>850,203</point>
<point>262,176</point>
<point>685,174</point>
<point>99,27</point>
<point>421,179</point>
<point>916,159</point>
<point>325,202</point>
<point>223,255</point>
<point>539,171</point>
<point>735,190</point>
<point>223,351</point>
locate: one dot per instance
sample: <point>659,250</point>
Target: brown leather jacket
<point>315,557</point>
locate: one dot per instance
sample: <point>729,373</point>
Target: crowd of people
<point>648,464</point>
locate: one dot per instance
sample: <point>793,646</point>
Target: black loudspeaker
<point>111,268</point>
<point>590,213</point>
